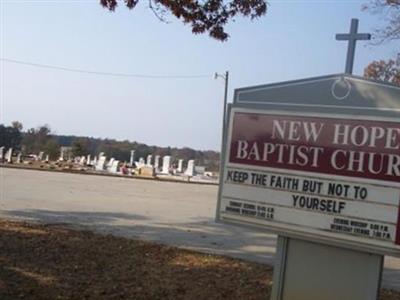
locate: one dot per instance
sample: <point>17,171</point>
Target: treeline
<point>34,140</point>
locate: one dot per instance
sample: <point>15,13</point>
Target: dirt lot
<point>55,262</point>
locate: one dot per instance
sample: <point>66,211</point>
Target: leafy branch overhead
<point>389,10</point>
<point>385,70</point>
<point>207,16</point>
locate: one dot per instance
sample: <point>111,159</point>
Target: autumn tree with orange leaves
<point>208,16</point>
<point>386,70</point>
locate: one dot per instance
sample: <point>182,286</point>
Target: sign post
<point>317,161</point>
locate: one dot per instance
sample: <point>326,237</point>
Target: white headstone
<point>180,166</point>
<point>82,161</point>
<point>199,170</point>
<point>190,168</point>
<point>141,162</point>
<point>88,161</point>
<point>114,166</point>
<point>47,158</point>
<point>19,160</point>
<point>61,154</point>
<point>149,158</point>
<point>1,153</point>
<point>94,161</point>
<point>166,164</point>
<point>100,163</point>
<point>156,162</point>
<point>40,156</point>
<point>132,159</point>
<point>110,163</point>
<point>9,155</point>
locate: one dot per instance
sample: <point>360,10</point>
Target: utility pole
<point>226,79</point>
<point>224,130</point>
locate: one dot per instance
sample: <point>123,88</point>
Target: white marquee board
<point>323,177</point>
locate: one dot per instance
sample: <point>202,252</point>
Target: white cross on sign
<point>352,37</point>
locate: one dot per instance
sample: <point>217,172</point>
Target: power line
<point>60,68</point>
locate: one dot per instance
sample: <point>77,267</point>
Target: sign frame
<point>296,106</point>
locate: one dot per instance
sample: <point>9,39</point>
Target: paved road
<point>171,213</point>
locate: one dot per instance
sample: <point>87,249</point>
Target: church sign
<point>330,176</point>
<point>317,161</point>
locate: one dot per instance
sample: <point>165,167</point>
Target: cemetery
<point>165,168</point>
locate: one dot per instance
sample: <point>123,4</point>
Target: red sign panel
<point>337,146</point>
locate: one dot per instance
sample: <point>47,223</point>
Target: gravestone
<point>88,161</point>
<point>180,166</point>
<point>94,161</point>
<point>61,158</point>
<point>132,158</point>
<point>199,170</point>
<point>65,153</point>
<point>40,156</point>
<point>82,161</point>
<point>190,168</point>
<point>114,166</point>
<point>149,159</point>
<point>1,154</point>
<point>110,162</point>
<point>8,156</point>
<point>19,160</point>
<point>141,162</point>
<point>47,159</point>
<point>101,163</point>
<point>156,163</point>
<point>147,171</point>
<point>166,164</point>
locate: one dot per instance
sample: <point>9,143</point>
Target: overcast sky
<point>296,39</point>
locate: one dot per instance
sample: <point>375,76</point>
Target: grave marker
<point>149,159</point>
<point>82,161</point>
<point>114,166</point>
<point>141,162</point>
<point>166,164</point>
<point>156,163</point>
<point>40,156</point>
<point>110,162</point>
<point>101,162</point>
<point>190,168</point>
<point>1,153</point>
<point>180,166</point>
<point>8,156</point>
<point>132,158</point>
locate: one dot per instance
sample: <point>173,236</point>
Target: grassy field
<point>56,262</point>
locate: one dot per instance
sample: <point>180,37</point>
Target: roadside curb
<point>105,174</point>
